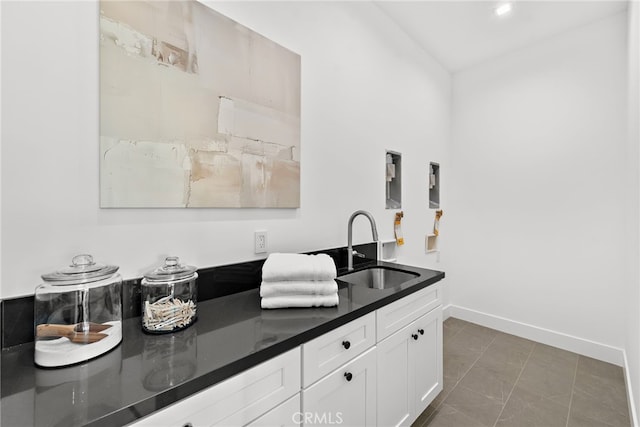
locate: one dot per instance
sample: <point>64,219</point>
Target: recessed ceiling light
<point>503,9</point>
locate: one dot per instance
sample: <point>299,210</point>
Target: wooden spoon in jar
<point>92,327</point>
<point>72,332</point>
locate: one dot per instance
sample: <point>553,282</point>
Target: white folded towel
<point>298,287</point>
<point>300,301</point>
<point>282,267</point>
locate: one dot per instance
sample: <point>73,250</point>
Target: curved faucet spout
<point>374,231</point>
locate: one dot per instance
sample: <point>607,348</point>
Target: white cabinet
<point>347,396</point>
<point>286,414</point>
<point>327,352</point>
<point>396,381</point>
<point>428,359</point>
<point>236,401</point>
<point>410,370</point>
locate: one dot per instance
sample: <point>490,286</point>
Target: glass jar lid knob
<point>82,259</point>
<point>82,263</point>
<point>171,269</point>
<point>171,261</point>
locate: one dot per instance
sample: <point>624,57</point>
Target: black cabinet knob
<point>421,331</point>
<point>188,425</point>
<point>414,336</point>
<point>348,376</point>
<point>346,344</point>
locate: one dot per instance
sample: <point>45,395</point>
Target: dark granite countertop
<point>148,372</point>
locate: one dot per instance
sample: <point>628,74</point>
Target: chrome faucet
<point>374,231</point>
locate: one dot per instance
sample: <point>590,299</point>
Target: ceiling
<point>459,34</point>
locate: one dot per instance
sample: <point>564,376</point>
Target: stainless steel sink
<point>379,277</point>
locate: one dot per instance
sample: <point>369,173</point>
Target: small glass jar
<point>77,313</point>
<point>169,295</point>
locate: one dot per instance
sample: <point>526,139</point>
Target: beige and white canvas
<point>196,110</point>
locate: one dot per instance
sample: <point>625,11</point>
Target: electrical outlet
<point>260,239</point>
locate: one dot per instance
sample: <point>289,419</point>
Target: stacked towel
<point>298,287</point>
<point>287,267</point>
<point>296,280</point>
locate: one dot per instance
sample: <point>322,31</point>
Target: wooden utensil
<point>93,327</point>
<point>73,332</point>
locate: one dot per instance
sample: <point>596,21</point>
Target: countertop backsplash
<point>213,282</point>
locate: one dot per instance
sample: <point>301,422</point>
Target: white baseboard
<point>446,312</point>
<point>578,345</point>
<point>632,403</point>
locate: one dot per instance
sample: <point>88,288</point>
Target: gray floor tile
<point>557,355</point>
<point>453,321</point>
<point>487,334</point>
<point>504,362</point>
<point>525,409</point>
<point>455,367</point>
<point>609,391</point>
<point>474,405</point>
<point>485,382</point>
<point>552,379</point>
<point>587,365</point>
<point>455,347</point>
<point>452,326</point>
<point>471,339</point>
<point>577,420</point>
<point>425,416</point>
<point>456,364</point>
<point>443,395</point>
<point>512,343</point>
<point>593,408</point>
<point>447,416</point>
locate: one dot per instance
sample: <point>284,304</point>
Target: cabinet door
<point>427,359</point>
<point>347,396</point>
<point>287,414</point>
<point>396,381</point>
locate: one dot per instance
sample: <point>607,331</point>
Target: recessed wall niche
<point>434,185</point>
<point>393,179</point>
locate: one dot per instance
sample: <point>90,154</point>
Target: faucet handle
<point>358,254</point>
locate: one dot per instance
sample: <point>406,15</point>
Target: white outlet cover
<point>260,241</point>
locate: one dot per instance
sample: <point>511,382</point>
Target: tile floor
<point>496,379</point>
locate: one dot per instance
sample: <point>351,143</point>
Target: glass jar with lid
<point>169,295</point>
<point>77,313</point>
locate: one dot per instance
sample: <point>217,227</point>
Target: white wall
<point>538,195</point>
<point>632,294</point>
<point>366,87</point>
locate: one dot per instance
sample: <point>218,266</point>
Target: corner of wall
<point>632,341</point>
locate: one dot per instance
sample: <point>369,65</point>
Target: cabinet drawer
<point>237,400</point>
<point>400,313</point>
<point>327,352</point>
<point>347,396</point>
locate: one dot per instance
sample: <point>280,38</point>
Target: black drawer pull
<point>348,376</point>
<point>346,344</point>
<point>414,336</point>
<point>421,331</point>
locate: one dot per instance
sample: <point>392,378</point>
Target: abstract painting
<point>196,110</point>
